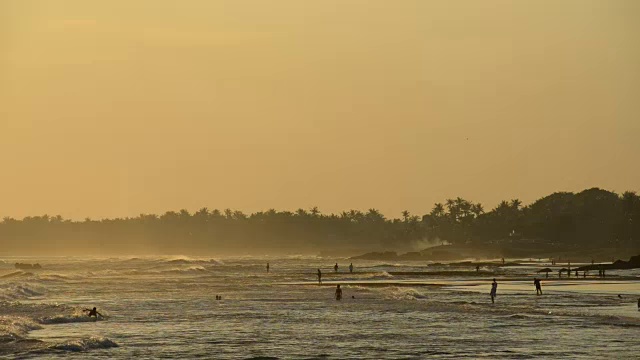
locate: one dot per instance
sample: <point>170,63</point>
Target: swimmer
<point>267,267</point>
<point>93,312</point>
<point>351,267</point>
<point>338,293</point>
<point>335,267</point>
<point>319,276</point>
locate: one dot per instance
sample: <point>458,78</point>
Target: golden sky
<point>116,108</point>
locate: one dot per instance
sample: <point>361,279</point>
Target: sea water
<point>166,307</point>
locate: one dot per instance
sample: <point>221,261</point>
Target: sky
<point>116,108</point>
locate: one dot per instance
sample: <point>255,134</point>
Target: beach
<point>166,307</point>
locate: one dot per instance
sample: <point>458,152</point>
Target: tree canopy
<point>591,218</point>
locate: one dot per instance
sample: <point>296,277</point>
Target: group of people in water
<point>335,269</point>
<point>338,294</point>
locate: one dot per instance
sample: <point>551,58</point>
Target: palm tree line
<point>591,218</point>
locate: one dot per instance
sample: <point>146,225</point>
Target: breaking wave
<point>16,274</point>
<point>84,344</point>
<point>66,319</point>
<point>404,293</point>
<point>19,292</point>
<point>15,327</point>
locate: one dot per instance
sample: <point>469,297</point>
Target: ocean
<point>166,307</point>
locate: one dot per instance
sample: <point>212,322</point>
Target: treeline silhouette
<point>592,218</point>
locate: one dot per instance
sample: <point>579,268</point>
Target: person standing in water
<point>351,268</point>
<point>319,277</point>
<point>494,289</point>
<point>338,293</point>
<point>267,267</point>
<point>536,282</point>
<point>335,267</point>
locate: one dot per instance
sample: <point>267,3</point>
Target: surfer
<point>93,312</point>
<point>319,276</point>
<point>351,267</point>
<point>338,293</point>
<point>335,267</point>
<point>536,282</point>
<point>494,289</point>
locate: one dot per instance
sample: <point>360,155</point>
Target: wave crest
<point>402,293</point>
<point>66,319</point>
<point>84,344</point>
<point>20,291</point>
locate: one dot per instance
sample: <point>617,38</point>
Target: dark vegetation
<point>590,220</point>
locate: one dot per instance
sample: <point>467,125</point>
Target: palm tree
<point>202,214</point>
<point>477,209</point>
<point>450,204</point>
<point>438,210</point>
<point>515,203</point>
<point>239,215</point>
<point>374,215</point>
<point>405,215</point>
<point>454,211</point>
<point>314,211</point>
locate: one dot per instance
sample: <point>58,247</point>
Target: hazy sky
<point>116,108</point>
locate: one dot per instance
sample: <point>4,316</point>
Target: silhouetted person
<point>335,267</point>
<point>267,267</point>
<point>93,312</point>
<point>560,273</point>
<point>638,304</point>
<point>604,274</point>
<point>536,282</point>
<point>502,261</point>
<point>338,293</point>
<point>351,267</point>
<point>494,289</point>
<point>576,273</point>
<point>584,274</point>
<point>477,268</point>
<point>319,276</point>
<point>619,296</point>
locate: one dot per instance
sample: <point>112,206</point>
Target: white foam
<point>12,292</point>
<point>84,344</point>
